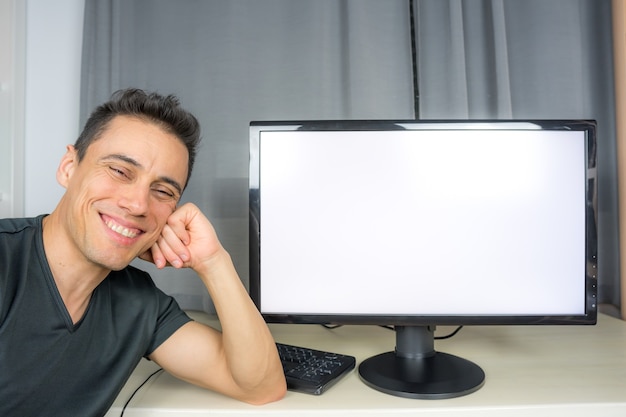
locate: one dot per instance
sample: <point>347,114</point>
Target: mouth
<point>127,232</point>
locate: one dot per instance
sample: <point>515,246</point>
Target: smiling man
<point>75,318</point>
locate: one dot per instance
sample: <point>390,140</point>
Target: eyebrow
<point>135,163</point>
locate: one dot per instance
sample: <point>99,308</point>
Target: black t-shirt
<point>52,367</point>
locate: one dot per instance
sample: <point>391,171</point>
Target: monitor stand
<point>416,370</point>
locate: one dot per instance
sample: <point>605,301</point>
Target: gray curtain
<point>531,59</point>
<point>235,61</point>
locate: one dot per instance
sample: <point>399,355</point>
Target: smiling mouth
<point>124,231</point>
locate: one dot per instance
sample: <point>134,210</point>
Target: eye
<point>164,193</point>
<point>119,172</point>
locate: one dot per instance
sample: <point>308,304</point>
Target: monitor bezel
<point>589,317</point>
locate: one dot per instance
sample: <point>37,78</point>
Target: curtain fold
<point>235,61</point>
<point>619,47</point>
<point>100,66</point>
<point>533,59</point>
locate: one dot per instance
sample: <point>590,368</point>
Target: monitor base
<point>423,374</point>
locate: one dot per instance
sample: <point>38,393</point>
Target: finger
<point>155,255</point>
<point>176,242</point>
<point>172,248</point>
<point>178,224</point>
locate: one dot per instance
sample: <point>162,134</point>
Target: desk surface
<point>544,370</point>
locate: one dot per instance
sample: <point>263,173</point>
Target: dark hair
<point>164,111</point>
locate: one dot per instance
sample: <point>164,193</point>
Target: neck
<point>75,277</point>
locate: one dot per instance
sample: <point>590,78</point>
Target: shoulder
<point>138,291</point>
<point>135,297</point>
<point>21,242</point>
<point>18,225</point>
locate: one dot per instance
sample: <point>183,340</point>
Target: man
<point>75,318</point>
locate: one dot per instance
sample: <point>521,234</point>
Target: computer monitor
<point>416,224</point>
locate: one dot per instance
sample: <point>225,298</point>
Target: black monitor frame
<point>415,353</point>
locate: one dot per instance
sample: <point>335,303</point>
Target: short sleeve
<point>170,318</point>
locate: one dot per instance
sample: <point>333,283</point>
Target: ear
<point>66,166</point>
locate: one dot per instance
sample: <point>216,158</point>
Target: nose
<point>135,200</point>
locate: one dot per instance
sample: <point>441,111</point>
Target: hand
<point>188,240</point>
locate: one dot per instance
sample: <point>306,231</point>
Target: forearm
<point>248,345</point>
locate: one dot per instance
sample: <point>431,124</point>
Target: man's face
<point>119,196</point>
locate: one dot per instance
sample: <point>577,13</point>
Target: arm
<point>241,361</point>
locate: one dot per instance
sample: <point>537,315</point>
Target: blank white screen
<point>467,222</point>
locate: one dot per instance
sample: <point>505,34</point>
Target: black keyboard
<point>312,371</point>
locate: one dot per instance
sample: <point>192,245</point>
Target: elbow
<point>278,393</point>
<point>271,392</point>
<point>281,391</point>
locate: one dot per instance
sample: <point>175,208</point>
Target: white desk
<point>574,371</point>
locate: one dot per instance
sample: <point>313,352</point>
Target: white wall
<point>12,59</point>
<point>52,94</point>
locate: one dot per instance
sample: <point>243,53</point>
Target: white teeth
<point>120,229</point>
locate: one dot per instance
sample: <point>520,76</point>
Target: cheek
<point>88,193</point>
<point>162,212</point>
<point>93,186</point>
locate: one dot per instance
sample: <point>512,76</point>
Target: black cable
<point>137,390</point>
<point>392,328</point>
<point>458,329</point>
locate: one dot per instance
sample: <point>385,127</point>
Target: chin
<point>117,267</point>
<point>112,264</point>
